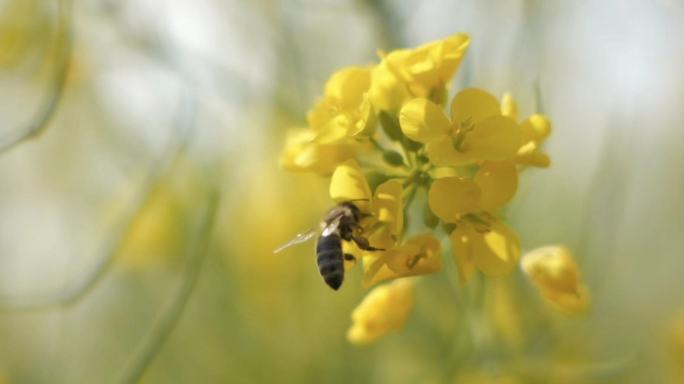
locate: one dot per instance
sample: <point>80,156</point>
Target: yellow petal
<point>535,128</point>
<point>463,251</point>
<point>530,154</point>
<point>348,183</point>
<point>385,309</point>
<point>473,105</point>
<point>348,86</point>
<point>496,250</point>
<point>422,120</point>
<point>453,50</point>
<point>495,138</point>
<point>451,197</point>
<point>303,153</point>
<point>571,304</point>
<point>429,66</point>
<point>387,205</point>
<point>419,255</point>
<point>498,181</point>
<point>509,107</point>
<point>387,91</point>
<point>442,153</point>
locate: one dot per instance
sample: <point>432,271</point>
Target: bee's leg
<point>350,257</point>
<point>362,242</point>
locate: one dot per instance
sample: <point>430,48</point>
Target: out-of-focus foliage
<point>141,199</point>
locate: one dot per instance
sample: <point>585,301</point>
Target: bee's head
<point>355,211</point>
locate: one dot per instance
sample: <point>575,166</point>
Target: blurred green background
<point>140,198</point>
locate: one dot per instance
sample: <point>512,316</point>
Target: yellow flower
<point>479,239</point>
<point>305,151</point>
<point>534,130</point>
<point>335,125</point>
<point>494,185</point>
<point>416,256</point>
<point>419,255</point>
<point>421,72</point>
<point>552,269</point>
<point>487,244</point>
<point>385,309</point>
<point>476,132</point>
<point>345,109</point>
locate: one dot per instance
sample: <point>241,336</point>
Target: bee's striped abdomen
<point>330,259</point>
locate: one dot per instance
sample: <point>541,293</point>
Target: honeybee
<point>342,222</point>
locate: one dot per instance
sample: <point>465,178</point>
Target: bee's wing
<point>300,238</point>
<point>331,227</point>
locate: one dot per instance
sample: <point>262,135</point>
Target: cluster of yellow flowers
<point>382,135</point>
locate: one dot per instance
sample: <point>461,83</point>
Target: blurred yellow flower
<point>552,269</point>
<point>476,132</point>
<point>385,309</point>
<point>675,348</point>
<point>157,231</point>
<point>485,377</point>
<point>421,72</point>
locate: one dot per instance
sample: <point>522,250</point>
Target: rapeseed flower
<point>383,137</point>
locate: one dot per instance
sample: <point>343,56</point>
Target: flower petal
<point>451,197</point>
<point>530,154</point>
<point>495,138</point>
<point>509,107</point>
<point>419,255</point>
<point>422,120</point>
<point>442,153</point>
<point>348,86</point>
<point>497,250</point>
<point>387,205</point>
<point>349,183</point>
<point>498,182</point>
<point>304,153</point>
<point>535,128</point>
<point>387,91</point>
<point>462,250</point>
<point>472,105</point>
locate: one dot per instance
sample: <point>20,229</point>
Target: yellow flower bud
<point>383,310</point>
<point>509,107</point>
<point>552,269</point>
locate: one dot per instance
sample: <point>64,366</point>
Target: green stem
<point>49,107</point>
<point>185,125</point>
<point>164,326</point>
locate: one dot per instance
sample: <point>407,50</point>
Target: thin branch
<point>185,128</point>
<point>155,339</point>
<point>49,107</point>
